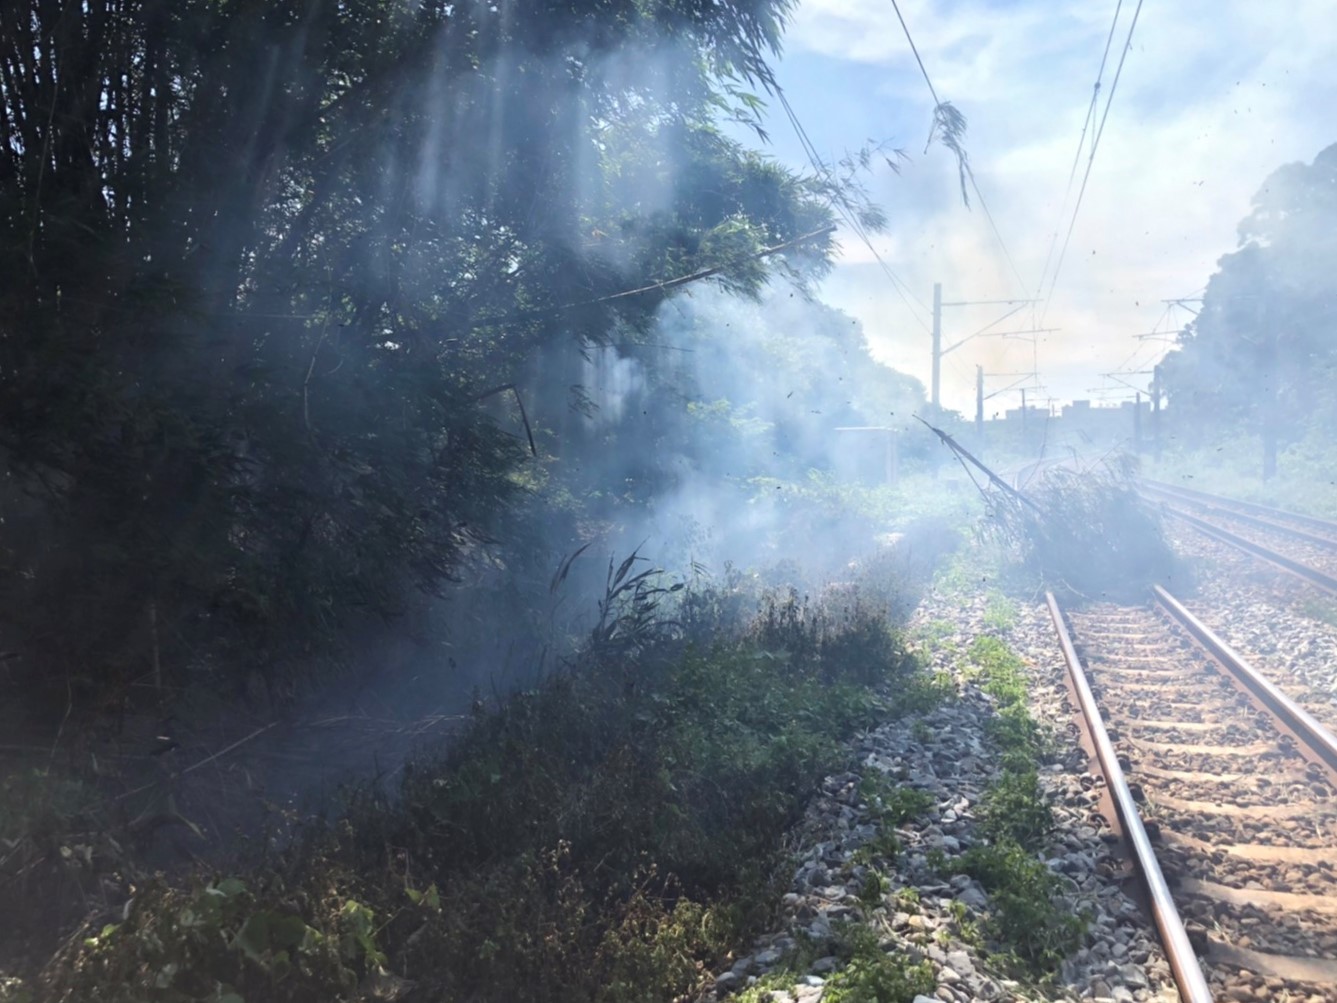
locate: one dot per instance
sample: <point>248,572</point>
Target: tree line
<point>1259,357</point>
<point>298,297</point>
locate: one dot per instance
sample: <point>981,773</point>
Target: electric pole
<point>935,387</point>
<point>1156,411</point>
<point>979,403</point>
<point>937,343</point>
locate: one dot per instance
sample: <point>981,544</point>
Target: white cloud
<point>1213,97</point>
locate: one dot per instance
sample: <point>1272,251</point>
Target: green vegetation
<point>1250,377</point>
<point>1027,919</point>
<point>327,331</point>
<point>873,974</point>
<point>1000,612</point>
<point>1021,739</point>
<point>889,806</point>
<point>296,345</point>
<point>607,836</point>
<point>1319,608</point>
<point>1085,532</point>
<point>1301,483</point>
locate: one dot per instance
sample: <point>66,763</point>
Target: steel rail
<point>1305,727</point>
<point>1311,575</point>
<point>1226,507</point>
<point>1184,965</point>
<point>1313,522</point>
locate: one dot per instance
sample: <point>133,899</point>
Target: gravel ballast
<point>923,913</point>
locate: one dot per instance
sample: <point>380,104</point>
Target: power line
<point>906,28</point>
<point>994,226</point>
<point>847,212</point>
<point>1091,159</point>
<point>965,164</point>
<point>1081,142</point>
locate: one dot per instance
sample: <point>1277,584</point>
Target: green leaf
<point>287,931</point>
<point>254,937</point>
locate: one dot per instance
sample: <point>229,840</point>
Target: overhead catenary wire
<point>1081,144</point>
<point>848,214</point>
<point>965,164</point>
<point>1091,158</point>
<point>915,49</point>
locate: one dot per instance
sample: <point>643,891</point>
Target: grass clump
<point>1001,673</point>
<point>1014,809</point>
<point>1029,918</point>
<point>1000,612</point>
<point>889,806</point>
<point>1318,608</point>
<point>874,975</point>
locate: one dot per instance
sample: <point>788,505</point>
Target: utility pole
<point>937,344</point>
<point>979,404</point>
<point>1137,422</point>
<point>1023,415</point>
<point>1156,411</point>
<point>935,386</point>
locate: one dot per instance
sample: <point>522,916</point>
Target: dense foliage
<point>279,277</point>
<point>608,836</point>
<point>1259,357</point>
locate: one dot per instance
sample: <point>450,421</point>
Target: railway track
<point>1230,801</point>
<point>1303,546</point>
<point>1320,532</point>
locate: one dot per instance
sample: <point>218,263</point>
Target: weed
<point>923,693</point>
<point>934,632</point>
<point>891,804</point>
<point>1000,612</point>
<point>967,929</point>
<point>1028,921</point>
<point>1014,808</point>
<point>762,992</point>
<point>884,847</point>
<point>873,975</point>
<point>1000,673</point>
<point>875,886</point>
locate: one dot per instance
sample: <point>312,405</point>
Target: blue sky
<point>1215,94</point>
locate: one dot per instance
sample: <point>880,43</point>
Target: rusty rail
<point>1308,730</point>
<point>1313,576</point>
<point>1266,511</point>
<point>1240,511</point>
<point>1183,962</point>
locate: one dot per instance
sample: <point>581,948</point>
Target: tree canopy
<point>279,271</point>
<point>1261,353</point>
